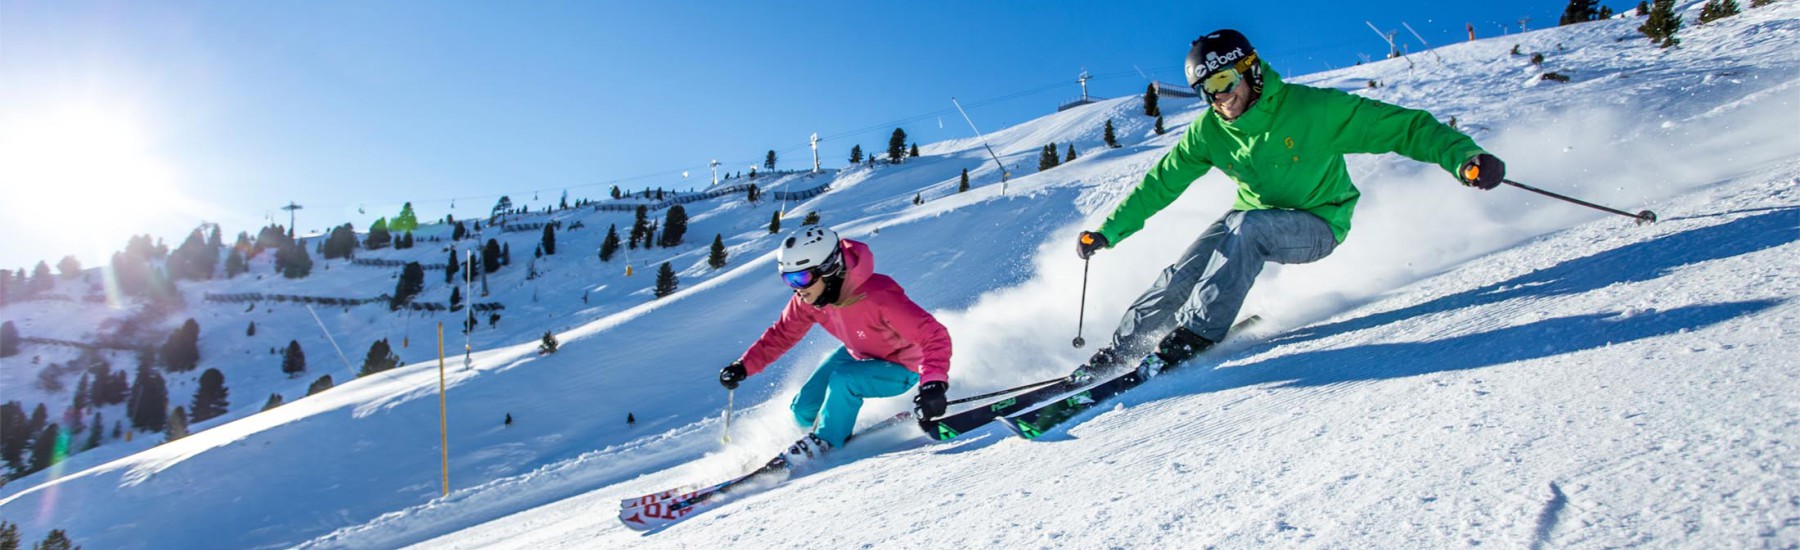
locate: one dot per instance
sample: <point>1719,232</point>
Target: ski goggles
<point>803,278</point>
<point>1219,83</point>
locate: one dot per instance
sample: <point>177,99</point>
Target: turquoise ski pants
<point>835,393</point>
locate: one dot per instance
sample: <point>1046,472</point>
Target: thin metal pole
<point>728,398</point>
<point>443,411</point>
<point>1005,391</point>
<point>1081,318</point>
<point>1004,175</point>
<point>1641,217</point>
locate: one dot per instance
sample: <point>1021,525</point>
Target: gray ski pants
<point>1204,289</point>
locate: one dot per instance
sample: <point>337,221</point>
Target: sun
<point>87,176</point>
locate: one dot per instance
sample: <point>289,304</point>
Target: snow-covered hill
<point>1468,368</point>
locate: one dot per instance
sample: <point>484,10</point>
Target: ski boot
<point>1180,345</point>
<point>806,450</point>
<point>1102,363</point>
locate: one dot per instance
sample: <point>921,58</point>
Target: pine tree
<point>490,256</point>
<point>769,161</point>
<point>58,539</point>
<point>252,330</point>
<point>716,257</point>
<point>379,237</point>
<point>1071,156</point>
<point>1606,12</point>
<point>1662,24</point>
<point>1159,126</point>
<point>1047,158</point>
<point>405,222</point>
<point>964,184</point>
<point>181,352</point>
<point>41,281</point>
<point>149,400</point>
<point>914,152</point>
<point>812,218</point>
<point>451,266</point>
<point>47,449</point>
<point>212,398</point>
<point>666,283</point>
<point>275,400</point>
<point>775,222</point>
<point>15,435</point>
<point>9,536</point>
<point>9,339</point>
<point>918,198</point>
<point>322,384</point>
<point>547,344</point>
<point>550,240</point>
<point>235,264</point>
<point>1150,97</point>
<point>640,227</point>
<point>458,231</point>
<point>381,358</point>
<point>896,146</point>
<point>69,267</point>
<point>94,434</point>
<point>1578,11</point>
<point>411,283</point>
<point>455,298</point>
<point>674,226</point>
<point>1107,136</point>
<point>178,425</point>
<point>856,154</point>
<point>293,360</point>
<point>341,243</point>
<point>610,245</point>
<point>294,261</point>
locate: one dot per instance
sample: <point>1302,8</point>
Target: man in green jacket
<point>1284,145</point>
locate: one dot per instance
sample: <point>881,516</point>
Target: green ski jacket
<point>1287,152</point>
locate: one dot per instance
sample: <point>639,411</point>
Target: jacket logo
<point>1290,142</point>
<point>861,336</point>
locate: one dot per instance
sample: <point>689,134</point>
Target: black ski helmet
<point>1219,50</point>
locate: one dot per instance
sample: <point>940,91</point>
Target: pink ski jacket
<point>873,318</point>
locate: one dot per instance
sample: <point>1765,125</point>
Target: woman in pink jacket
<point>890,343</point>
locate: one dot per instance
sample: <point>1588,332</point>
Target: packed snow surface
<point>1469,368</point>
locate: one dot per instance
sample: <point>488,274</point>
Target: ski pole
<point>728,397</point>
<point>1081,317</point>
<point>1032,385</point>
<point>1643,217</point>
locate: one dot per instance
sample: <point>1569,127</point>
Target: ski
<point>664,508</point>
<point>951,426</point>
<point>1032,422</point>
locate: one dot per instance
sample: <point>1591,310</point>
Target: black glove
<point>930,402</point>
<point>732,374</point>
<point>1483,172</point>
<point>1088,243</point>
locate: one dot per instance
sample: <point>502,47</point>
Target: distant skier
<point>1284,145</point>
<point>889,342</point>
<point>509,420</point>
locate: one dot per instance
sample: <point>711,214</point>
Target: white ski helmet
<point>812,247</point>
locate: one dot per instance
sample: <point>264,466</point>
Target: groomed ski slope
<point>1468,368</point>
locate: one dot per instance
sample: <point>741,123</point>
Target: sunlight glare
<point>92,166</point>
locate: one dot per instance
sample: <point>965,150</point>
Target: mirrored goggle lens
<point>800,279</point>
<point>1221,82</point>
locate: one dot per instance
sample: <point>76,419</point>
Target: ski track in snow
<point>1470,368</point>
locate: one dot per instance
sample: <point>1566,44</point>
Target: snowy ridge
<point>1469,368</point>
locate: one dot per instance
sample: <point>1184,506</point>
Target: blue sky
<point>172,113</point>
